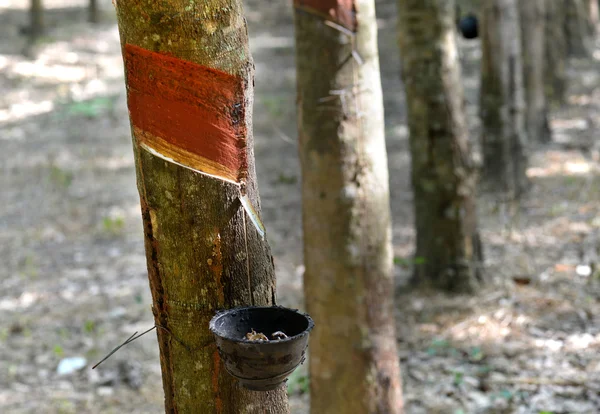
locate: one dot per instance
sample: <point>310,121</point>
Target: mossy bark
<point>202,253</point>
<point>532,18</point>
<point>443,174</point>
<point>502,103</point>
<point>348,285</point>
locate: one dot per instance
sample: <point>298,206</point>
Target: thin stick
<point>128,341</point>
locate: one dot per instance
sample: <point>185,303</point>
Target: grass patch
<point>113,225</point>
<point>298,382</point>
<point>60,177</point>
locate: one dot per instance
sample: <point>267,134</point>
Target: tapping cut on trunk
<point>187,112</point>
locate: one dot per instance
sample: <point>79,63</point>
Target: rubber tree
<point>189,78</point>
<point>93,12</point>
<point>348,285</point>
<point>532,22</point>
<point>579,27</point>
<point>593,10</point>
<point>36,18</point>
<point>443,174</point>
<point>502,101</point>
<point>555,53</point>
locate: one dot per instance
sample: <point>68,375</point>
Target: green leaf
<point>298,383</point>
<point>89,326</point>
<point>58,351</point>
<point>401,261</point>
<point>419,260</point>
<point>437,345</point>
<point>476,354</point>
<point>91,107</point>
<point>458,378</point>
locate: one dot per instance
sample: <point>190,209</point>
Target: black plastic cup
<point>261,365</point>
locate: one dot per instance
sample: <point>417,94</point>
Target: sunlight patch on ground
<point>24,301</point>
<point>563,163</point>
<point>25,109</point>
<point>48,4</point>
<point>113,163</point>
<point>57,72</point>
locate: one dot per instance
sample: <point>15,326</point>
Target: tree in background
<point>555,54</point>
<point>93,12</point>
<point>532,21</point>
<point>189,101</point>
<point>443,175</point>
<point>348,283</point>
<point>36,18</point>
<point>593,7</point>
<point>579,27</point>
<point>502,102</point>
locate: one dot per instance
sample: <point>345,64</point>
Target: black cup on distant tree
<point>469,26</point>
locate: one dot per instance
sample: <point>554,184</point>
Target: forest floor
<point>73,281</point>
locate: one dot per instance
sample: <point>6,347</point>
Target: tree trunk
<point>502,103</point>
<point>532,19</point>
<point>443,175</point>
<point>93,12</point>
<point>354,366</point>
<point>36,18</point>
<point>594,14</point>
<point>578,27</point>
<point>555,55</point>
<point>189,79</point>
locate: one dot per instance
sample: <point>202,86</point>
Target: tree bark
<point>555,56</point>
<point>594,13</point>
<point>443,175</point>
<point>532,19</point>
<point>348,284</point>
<point>579,28</point>
<point>36,18</point>
<point>502,103</point>
<point>189,79</point>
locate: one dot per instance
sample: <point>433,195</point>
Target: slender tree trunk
<point>532,19</point>
<point>555,55</point>
<point>594,13</point>
<point>443,176</point>
<point>578,27</point>
<point>36,18</point>
<point>93,12</point>
<point>469,6</point>
<point>189,79</point>
<point>502,100</point>
<point>354,366</point>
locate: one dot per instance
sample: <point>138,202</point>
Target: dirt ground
<point>73,281</point>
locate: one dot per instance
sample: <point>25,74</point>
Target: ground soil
<point>73,277</point>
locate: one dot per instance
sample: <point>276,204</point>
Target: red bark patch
<point>187,112</point>
<point>339,11</point>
